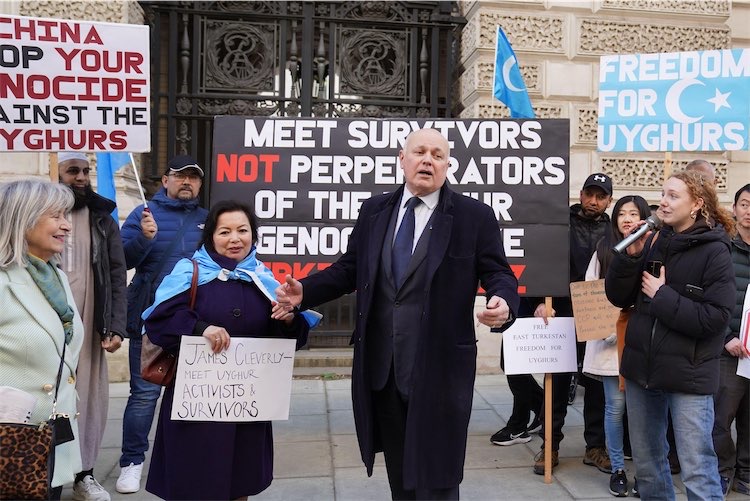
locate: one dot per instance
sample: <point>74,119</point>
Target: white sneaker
<point>89,489</point>
<point>130,479</point>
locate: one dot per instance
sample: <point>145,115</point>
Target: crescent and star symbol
<point>672,101</point>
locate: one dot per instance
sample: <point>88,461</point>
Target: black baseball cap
<point>183,162</point>
<point>600,180</point>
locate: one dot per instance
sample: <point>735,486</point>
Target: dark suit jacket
<point>396,314</point>
<point>464,249</point>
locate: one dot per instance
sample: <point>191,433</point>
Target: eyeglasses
<point>74,171</point>
<point>181,177</point>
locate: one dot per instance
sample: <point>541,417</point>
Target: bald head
<point>433,134</point>
<point>703,167</point>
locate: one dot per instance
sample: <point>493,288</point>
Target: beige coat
<point>31,340</point>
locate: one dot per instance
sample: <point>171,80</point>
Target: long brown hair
<point>700,187</point>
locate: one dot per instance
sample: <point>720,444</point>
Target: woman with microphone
<point>681,283</point>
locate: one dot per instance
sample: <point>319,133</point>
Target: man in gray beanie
<point>94,261</point>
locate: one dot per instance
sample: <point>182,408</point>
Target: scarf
<point>48,281</point>
<point>249,269</point>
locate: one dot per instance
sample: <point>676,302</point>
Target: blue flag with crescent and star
<point>509,86</point>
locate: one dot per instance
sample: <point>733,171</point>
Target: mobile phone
<point>653,267</point>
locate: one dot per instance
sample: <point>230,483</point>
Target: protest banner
<point>73,85</point>
<point>307,179</point>
<point>677,101</point>
<point>530,346</point>
<point>249,381</point>
<point>595,316</point>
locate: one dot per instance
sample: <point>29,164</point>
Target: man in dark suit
<point>415,258</point>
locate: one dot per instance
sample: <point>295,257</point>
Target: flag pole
<point>138,181</point>
<point>54,168</point>
<point>548,411</point>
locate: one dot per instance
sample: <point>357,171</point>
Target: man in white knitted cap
<point>94,261</point>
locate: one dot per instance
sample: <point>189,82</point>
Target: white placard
<point>530,346</point>
<point>74,85</point>
<point>250,381</point>
<point>743,364</point>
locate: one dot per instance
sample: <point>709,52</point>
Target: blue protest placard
<point>677,101</point>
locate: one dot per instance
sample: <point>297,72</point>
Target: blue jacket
<point>146,255</point>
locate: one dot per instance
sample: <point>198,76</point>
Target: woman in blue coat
<point>216,460</point>
<point>681,282</point>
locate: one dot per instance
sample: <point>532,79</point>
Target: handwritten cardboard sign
<point>530,346</point>
<point>250,381</point>
<point>595,316</point>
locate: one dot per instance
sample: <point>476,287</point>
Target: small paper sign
<point>530,346</point>
<point>250,381</point>
<point>595,316</point>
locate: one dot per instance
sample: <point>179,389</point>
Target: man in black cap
<point>154,239</point>
<point>588,223</point>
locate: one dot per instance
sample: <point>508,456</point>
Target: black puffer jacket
<point>673,341</point>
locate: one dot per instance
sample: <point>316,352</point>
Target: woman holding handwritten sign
<point>216,460</point>
<point>602,360</point>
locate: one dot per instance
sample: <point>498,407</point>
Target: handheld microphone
<point>652,222</point>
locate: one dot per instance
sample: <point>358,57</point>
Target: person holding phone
<point>675,334</point>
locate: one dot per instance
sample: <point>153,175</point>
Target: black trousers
<point>732,403</point>
<point>528,397</point>
<point>391,409</point>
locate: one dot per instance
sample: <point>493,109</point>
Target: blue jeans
<point>693,420</point>
<point>614,410</point>
<point>139,412</point>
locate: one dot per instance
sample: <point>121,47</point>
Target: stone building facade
<point>558,44</point>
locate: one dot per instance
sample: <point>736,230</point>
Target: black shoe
<point>536,424</point>
<point>618,484</point>
<point>725,483</point>
<point>634,490</point>
<point>505,437</point>
<point>572,390</point>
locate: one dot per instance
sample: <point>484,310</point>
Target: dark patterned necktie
<point>402,245</point>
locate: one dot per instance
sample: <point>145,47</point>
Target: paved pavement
<point>316,454</point>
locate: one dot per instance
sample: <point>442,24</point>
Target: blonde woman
<point>38,316</point>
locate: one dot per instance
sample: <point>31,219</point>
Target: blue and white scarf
<point>249,269</point>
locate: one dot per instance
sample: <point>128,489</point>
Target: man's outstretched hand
<point>288,296</point>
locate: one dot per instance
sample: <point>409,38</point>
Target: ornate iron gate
<point>297,58</point>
